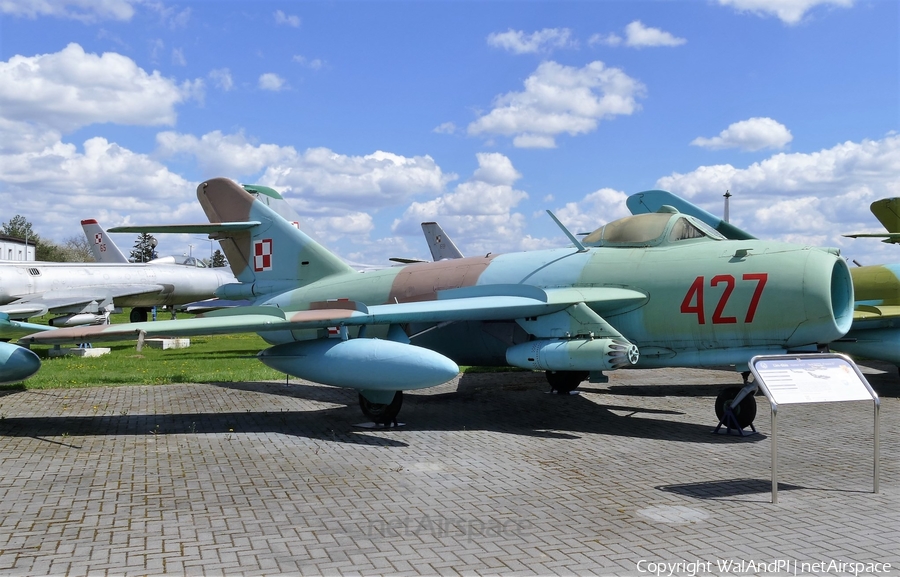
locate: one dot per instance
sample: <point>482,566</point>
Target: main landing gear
<point>382,414</point>
<point>139,314</point>
<point>564,382</point>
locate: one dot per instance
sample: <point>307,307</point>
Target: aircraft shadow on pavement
<point>514,403</point>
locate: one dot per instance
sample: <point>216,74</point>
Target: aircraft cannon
<point>364,364</point>
<point>573,354</point>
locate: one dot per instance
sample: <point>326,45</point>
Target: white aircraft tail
<point>102,247</point>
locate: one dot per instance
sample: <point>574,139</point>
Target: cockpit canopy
<point>665,226</point>
<point>180,260</point>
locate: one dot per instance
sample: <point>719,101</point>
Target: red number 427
<point>693,300</point>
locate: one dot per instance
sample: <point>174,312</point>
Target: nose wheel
<point>743,413</point>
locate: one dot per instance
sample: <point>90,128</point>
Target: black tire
<point>745,412</point>
<point>380,413</point>
<point>564,382</point>
<point>138,315</point>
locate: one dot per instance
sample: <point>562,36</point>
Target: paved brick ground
<point>490,475</point>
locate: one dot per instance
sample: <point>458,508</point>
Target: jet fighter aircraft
<point>655,290</point>
<point>873,334</point>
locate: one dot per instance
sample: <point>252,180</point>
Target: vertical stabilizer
<point>102,247</point>
<point>887,211</point>
<point>442,247</point>
<point>274,253</point>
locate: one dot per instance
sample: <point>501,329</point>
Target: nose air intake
<point>828,299</point>
<point>842,296</point>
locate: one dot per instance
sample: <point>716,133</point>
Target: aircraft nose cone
<point>17,363</point>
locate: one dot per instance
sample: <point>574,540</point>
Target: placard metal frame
<point>795,385</point>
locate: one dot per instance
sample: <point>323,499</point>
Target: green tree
<point>218,259</point>
<point>19,227</point>
<point>144,248</point>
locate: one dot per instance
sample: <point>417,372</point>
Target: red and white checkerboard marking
<point>262,255</point>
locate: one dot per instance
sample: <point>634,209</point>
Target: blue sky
<point>371,117</point>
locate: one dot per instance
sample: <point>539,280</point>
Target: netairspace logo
<point>754,567</point>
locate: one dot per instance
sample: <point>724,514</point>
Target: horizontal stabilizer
<point>889,237</point>
<point>202,228</point>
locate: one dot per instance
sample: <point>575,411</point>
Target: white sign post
<point>811,378</point>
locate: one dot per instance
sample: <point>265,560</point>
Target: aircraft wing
<point>39,304</point>
<point>10,329</point>
<point>493,302</point>
<point>871,314</point>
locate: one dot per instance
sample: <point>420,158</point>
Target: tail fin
<point>442,248</point>
<point>652,200</point>
<point>887,211</point>
<point>102,247</point>
<point>273,252</point>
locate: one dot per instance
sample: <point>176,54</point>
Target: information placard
<point>812,378</point>
<point>799,379</point>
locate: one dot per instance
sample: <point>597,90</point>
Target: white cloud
<point>221,77</point>
<point>314,64</point>
<point>178,57</point>
<point>102,180</point>
<point>610,39</point>
<point>800,196</point>
<point>478,213</point>
<point>378,179</point>
<point>218,153</point>
<point>518,42</point>
<point>445,128</point>
<point>593,211</point>
<point>287,19</point>
<point>84,11</point>
<point>752,134</point>
<point>170,16</point>
<point>71,89</point>
<point>639,36</point>
<point>788,11</point>
<point>495,168</point>
<point>271,81</point>
<point>560,99</point>
<point>316,176</point>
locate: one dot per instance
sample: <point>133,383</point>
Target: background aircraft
<point>887,211</point>
<point>652,290</point>
<point>873,333</point>
<point>84,293</point>
<point>442,247</point>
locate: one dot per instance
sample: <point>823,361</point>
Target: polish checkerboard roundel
<point>262,255</point>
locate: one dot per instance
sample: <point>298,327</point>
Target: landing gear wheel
<point>745,412</point>
<point>564,382</point>
<point>380,413</point>
<point>138,315</point>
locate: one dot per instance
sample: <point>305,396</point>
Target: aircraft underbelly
<point>472,343</point>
